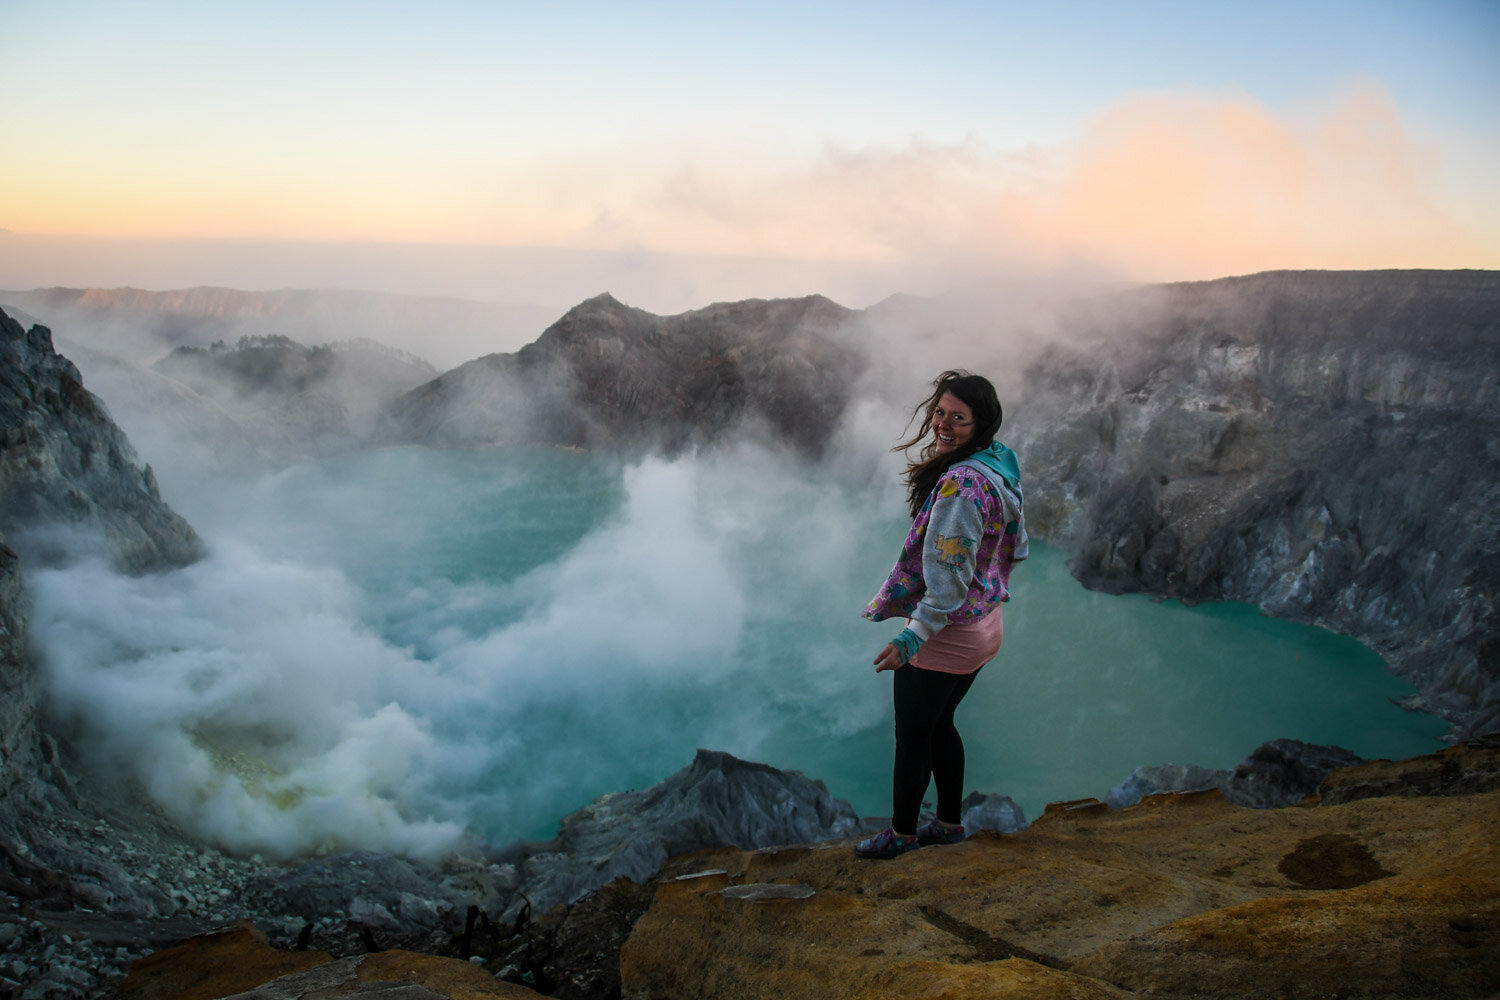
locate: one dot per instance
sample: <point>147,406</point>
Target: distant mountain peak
<point>628,377</point>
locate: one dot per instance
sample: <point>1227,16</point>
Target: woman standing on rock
<point>967,531</point>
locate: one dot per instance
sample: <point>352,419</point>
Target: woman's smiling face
<point>952,423</point>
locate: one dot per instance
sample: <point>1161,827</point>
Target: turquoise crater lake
<point>561,626</point>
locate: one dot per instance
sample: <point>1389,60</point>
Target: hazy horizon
<point>557,279</point>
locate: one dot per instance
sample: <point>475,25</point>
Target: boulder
<point>1275,774</point>
<point>718,800</point>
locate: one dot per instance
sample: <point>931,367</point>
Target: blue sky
<point>898,137</point>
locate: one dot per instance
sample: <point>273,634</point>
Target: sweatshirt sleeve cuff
<point>908,643</point>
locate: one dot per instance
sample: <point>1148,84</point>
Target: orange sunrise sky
<point>679,153</point>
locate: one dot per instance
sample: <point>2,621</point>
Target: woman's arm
<point>949,550</point>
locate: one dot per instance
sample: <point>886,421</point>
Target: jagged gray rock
<point>716,801</point>
<point>66,470</point>
<point>1154,779</point>
<point>1281,772</point>
<point>992,812</point>
<point>608,375</point>
<point>1276,774</point>
<point>18,735</point>
<point>127,885</point>
<point>399,902</point>
<point>1320,444</point>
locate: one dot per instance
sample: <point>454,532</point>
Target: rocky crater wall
<point>1324,445</point>
<point>68,478</point>
<point>67,470</point>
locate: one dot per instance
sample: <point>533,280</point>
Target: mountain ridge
<point>143,324</point>
<point>611,375</point>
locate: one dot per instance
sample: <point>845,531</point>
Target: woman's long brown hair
<point>979,395</point>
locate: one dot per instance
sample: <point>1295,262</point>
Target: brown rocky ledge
<point>1179,896</point>
<point>1386,883</point>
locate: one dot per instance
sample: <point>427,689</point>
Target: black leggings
<point>927,744</point>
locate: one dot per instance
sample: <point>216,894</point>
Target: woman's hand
<point>889,659</point>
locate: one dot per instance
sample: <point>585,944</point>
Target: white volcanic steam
<point>268,701</point>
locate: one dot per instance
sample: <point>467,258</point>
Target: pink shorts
<point>962,649</point>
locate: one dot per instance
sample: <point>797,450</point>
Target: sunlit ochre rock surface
<point>238,962</point>
<point>1180,896</point>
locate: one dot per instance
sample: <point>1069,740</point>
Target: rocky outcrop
<point>1180,896</point>
<point>121,883</point>
<point>981,811</point>
<point>69,480</point>
<point>1320,444</point>
<point>68,476</point>
<point>18,736</point>
<point>716,800</point>
<point>69,485</point>
<point>608,375</point>
<point>1276,774</point>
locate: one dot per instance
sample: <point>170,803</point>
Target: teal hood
<point>999,459</point>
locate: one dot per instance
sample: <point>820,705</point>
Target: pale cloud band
<point>1160,186</point>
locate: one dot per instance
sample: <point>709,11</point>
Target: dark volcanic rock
<point>1276,774</point>
<point>610,375</point>
<point>66,472</point>
<point>717,801</point>
<point>1281,772</point>
<point>65,467</point>
<point>1325,445</point>
<point>17,680</point>
<point>69,484</point>
<point>991,812</point>
<point>1469,768</point>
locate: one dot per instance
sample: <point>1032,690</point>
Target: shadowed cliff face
<point>67,471</point>
<point>17,683</point>
<point>1323,445</point>
<point>69,484</point>
<point>609,375</point>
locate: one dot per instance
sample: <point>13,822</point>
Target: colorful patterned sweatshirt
<point>955,564</point>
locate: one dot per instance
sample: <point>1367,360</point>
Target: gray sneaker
<point>933,832</point>
<point>885,845</point>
